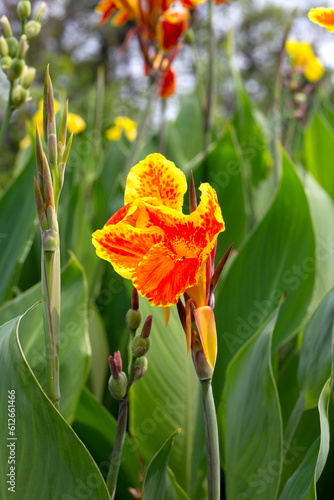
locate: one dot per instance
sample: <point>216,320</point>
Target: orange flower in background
<point>164,252</point>
<point>302,56</point>
<point>191,4</point>
<point>323,16</point>
<point>168,85</point>
<point>171,26</point>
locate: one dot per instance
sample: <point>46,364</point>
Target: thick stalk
<point>116,456</point>
<point>51,318</point>
<point>211,79</point>
<point>212,442</point>
<point>8,113</point>
<point>142,127</point>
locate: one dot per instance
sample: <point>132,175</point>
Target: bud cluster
<point>13,52</point>
<point>298,91</point>
<point>120,383</point>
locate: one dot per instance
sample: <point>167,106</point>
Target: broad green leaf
<point>319,151</point>
<point>225,176</point>
<point>50,460</point>
<point>168,397</point>
<point>271,261</point>
<point>316,355</point>
<point>97,428</point>
<point>74,341</point>
<point>159,482</point>
<point>302,484</point>
<point>17,227</point>
<point>322,213</point>
<point>250,419</point>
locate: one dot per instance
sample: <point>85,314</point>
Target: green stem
<point>142,127</point>
<point>8,113</point>
<point>51,317</point>
<point>211,79</point>
<point>163,128</point>
<point>23,26</point>
<point>212,442</point>
<point>116,455</point>
<point>198,65</point>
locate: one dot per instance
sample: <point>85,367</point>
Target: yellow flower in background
<point>122,124</point>
<point>314,70</point>
<point>75,123</point>
<point>302,56</point>
<point>323,16</point>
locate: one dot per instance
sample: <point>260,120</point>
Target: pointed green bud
<point>32,29</point>
<point>15,69</point>
<point>3,47</point>
<point>145,333</point>
<point>133,319</point>
<point>13,45</point>
<point>19,96</point>
<point>6,26</point>
<point>141,365</point>
<point>52,218</point>
<point>38,199</point>
<point>27,77</point>
<point>67,149</point>
<point>39,153</point>
<point>47,188</point>
<point>52,147</point>
<point>5,63</point>
<point>62,132</point>
<point>23,47</point>
<point>40,12</point>
<point>23,9</point>
<point>140,346</point>
<point>118,386</point>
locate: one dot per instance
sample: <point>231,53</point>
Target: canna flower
<point>302,56</point>
<point>164,252</point>
<point>122,124</point>
<point>323,16</point>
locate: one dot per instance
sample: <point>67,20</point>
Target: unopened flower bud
<point>19,96</point>
<point>23,9</point>
<point>141,365</point>
<point>118,386</point>
<point>13,45</point>
<point>145,333</point>
<point>27,77</point>
<point>5,63</point>
<point>203,370</point>
<point>6,26</point>
<point>40,12</point>
<point>23,47</point>
<point>133,319</point>
<point>140,346</point>
<point>32,29</point>
<point>15,69</point>
<point>3,47</point>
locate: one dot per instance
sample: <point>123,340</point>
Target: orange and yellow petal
<point>125,246</point>
<point>324,16</point>
<point>191,4</point>
<point>168,85</point>
<point>171,26</point>
<point>206,325</point>
<point>156,177</point>
<point>121,17</point>
<point>106,8</point>
<point>314,70</point>
<point>191,235</point>
<point>162,277</point>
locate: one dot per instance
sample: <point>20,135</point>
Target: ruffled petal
<point>191,235</point>
<point>125,246</point>
<point>162,277</point>
<point>158,178</point>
